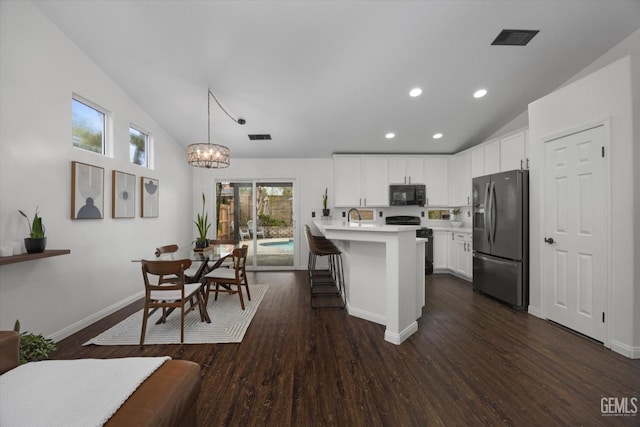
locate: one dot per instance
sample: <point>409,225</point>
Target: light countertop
<point>362,226</point>
<point>454,229</point>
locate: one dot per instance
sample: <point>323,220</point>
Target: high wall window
<point>89,126</point>
<point>138,147</point>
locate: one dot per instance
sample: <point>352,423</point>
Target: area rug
<point>228,323</point>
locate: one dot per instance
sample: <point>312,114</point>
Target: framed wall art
<point>150,189</point>
<point>87,191</point>
<point>123,191</point>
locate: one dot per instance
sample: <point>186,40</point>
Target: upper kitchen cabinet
<point>513,152</point>
<point>406,170</point>
<point>436,179</point>
<point>485,159</point>
<point>492,157</point>
<point>477,161</point>
<point>360,181</point>
<point>461,179</point>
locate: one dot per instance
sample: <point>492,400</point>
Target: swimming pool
<point>286,245</point>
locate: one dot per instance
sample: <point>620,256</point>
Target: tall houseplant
<point>202,225</point>
<point>36,242</point>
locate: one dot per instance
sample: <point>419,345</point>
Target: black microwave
<point>407,195</point>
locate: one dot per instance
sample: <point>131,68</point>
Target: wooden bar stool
<point>324,282</point>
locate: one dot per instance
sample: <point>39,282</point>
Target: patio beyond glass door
<point>259,214</point>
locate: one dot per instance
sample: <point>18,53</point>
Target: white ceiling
<point>324,77</point>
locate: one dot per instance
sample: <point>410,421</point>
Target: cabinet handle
<point>468,201</point>
<point>360,201</point>
<point>527,163</point>
<point>521,164</point>
<point>409,180</point>
<point>451,236</point>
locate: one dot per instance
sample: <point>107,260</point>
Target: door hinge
<point>602,151</point>
<point>603,317</point>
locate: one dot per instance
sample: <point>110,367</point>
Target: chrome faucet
<point>349,214</point>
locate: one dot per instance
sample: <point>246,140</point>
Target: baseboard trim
<point>366,315</point>
<point>625,350</point>
<point>83,323</point>
<point>397,339</point>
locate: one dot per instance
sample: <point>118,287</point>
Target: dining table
<point>206,259</point>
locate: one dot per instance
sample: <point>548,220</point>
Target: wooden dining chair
<point>161,292</point>
<point>168,252</point>
<point>227,262</point>
<point>225,279</point>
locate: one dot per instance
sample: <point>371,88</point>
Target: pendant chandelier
<point>210,155</point>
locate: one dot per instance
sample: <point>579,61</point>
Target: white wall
<point>40,68</point>
<point>311,177</point>
<point>609,94</point>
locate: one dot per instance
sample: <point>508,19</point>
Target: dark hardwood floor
<point>473,361</point>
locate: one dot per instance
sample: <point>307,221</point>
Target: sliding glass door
<point>260,214</point>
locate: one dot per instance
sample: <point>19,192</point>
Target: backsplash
<point>465,215</point>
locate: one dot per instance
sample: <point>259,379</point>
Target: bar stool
<point>324,282</point>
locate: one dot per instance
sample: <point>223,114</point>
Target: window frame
<point>106,125</point>
<point>148,145</point>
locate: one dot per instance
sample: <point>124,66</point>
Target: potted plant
<point>33,347</point>
<point>454,214</point>
<point>202,224</point>
<point>325,197</point>
<point>36,242</point>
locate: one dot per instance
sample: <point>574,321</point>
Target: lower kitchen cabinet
<point>441,250</point>
<point>453,253</point>
<point>463,252</point>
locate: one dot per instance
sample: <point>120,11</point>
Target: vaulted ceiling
<point>334,76</point>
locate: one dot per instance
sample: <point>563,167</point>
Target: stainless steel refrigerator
<point>501,236</point>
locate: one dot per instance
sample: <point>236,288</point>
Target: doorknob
<point>549,240</point>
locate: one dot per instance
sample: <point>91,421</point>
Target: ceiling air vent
<point>514,37</point>
<point>260,137</point>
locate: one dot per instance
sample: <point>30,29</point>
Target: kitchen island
<point>384,273</point>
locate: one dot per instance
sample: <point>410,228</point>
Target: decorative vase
<point>201,244</point>
<point>326,212</point>
<point>35,246</point>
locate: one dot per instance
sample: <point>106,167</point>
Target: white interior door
<point>574,262</point>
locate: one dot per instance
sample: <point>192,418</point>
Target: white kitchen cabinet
<point>463,254</point>
<point>451,252</point>
<point>436,179</point>
<point>441,250</point>
<point>406,170</point>
<point>360,181</point>
<point>492,157</point>
<point>347,180</point>
<point>513,152</point>
<point>477,161</point>
<point>375,184</point>
<point>461,179</point>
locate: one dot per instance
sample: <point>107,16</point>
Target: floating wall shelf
<point>28,257</point>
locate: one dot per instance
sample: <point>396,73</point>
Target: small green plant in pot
<point>202,225</point>
<point>325,198</point>
<point>36,242</point>
<point>33,347</point>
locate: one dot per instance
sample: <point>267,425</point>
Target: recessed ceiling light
<point>437,135</point>
<point>390,135</point>
<point>480,93</point>
<point>415,92</point>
